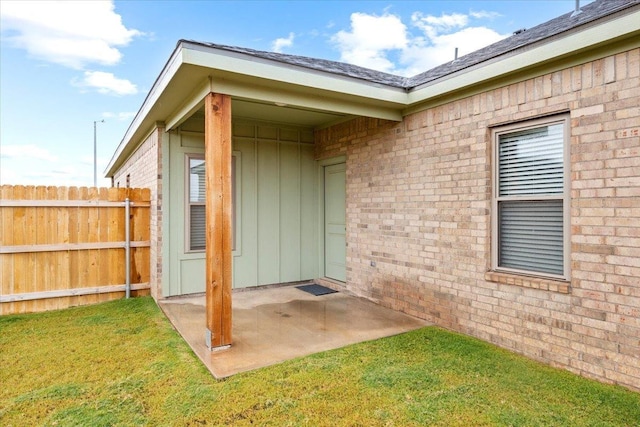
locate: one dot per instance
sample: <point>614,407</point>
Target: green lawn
<point>121,363</point>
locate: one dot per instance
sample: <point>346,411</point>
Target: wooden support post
<point>217,145</point>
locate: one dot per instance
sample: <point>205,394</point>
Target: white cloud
<point>483,14</point>
<point>370,39</point>
<point>106,83</point>
<point>374,41</point>
<point>68,175</point>
<point>441,48</point>
<point>27,151</point>
<point>70,33</point>
<point>88,160</point>
<point>28,164</point>
<point>439,23</point>
<point>31,165</point>
<point>279,44</point>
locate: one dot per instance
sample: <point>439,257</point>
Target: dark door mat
<point>316,290</point>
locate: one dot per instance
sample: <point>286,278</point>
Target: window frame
<point>189,203</point>
<point>236,209</point>
<point>565,196</point>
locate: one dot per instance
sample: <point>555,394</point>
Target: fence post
<point>127,247</point>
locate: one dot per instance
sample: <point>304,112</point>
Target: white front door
<point>335,247</point>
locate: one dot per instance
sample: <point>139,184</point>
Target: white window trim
<point>565,196</point>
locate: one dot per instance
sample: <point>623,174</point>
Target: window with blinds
<point>196,227</point>
<point>196,198</point>
<point>530,200</point>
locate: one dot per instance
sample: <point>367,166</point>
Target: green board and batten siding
<point>186,270</point>
<point>335,227</point>
<point>276,203</point>
<point>279,206</point>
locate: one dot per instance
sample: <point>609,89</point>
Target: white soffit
<point>311,98</point>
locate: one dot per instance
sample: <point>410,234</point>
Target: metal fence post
<point>127,246</point>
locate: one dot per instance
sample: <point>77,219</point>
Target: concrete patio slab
<point>277,324</point>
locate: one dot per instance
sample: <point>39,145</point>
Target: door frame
<point>321,165</point>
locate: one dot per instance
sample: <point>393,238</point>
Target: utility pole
<point>95,152</point>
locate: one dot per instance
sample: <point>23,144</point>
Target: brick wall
<point>144,170</point>
<point>419,205</point>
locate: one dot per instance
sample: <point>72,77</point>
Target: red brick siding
<point>419,201</point>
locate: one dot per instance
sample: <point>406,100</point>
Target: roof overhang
<point>273,88</point>
<point>317,98</point>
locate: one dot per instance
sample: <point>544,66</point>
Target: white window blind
<point>531,236</point>
<point>197,232</point>
<point>531,161</point>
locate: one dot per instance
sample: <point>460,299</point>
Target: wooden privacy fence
<point>66,246</point>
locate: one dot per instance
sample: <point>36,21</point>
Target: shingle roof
<point>334,67</point>
<point>566,22</point>
<point>590,12</point>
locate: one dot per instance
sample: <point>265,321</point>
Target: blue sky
<point>64,65</point>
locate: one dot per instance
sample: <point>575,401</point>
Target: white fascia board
<point>239,63</point>
<point>141,116</point>
<point>546,52</point>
